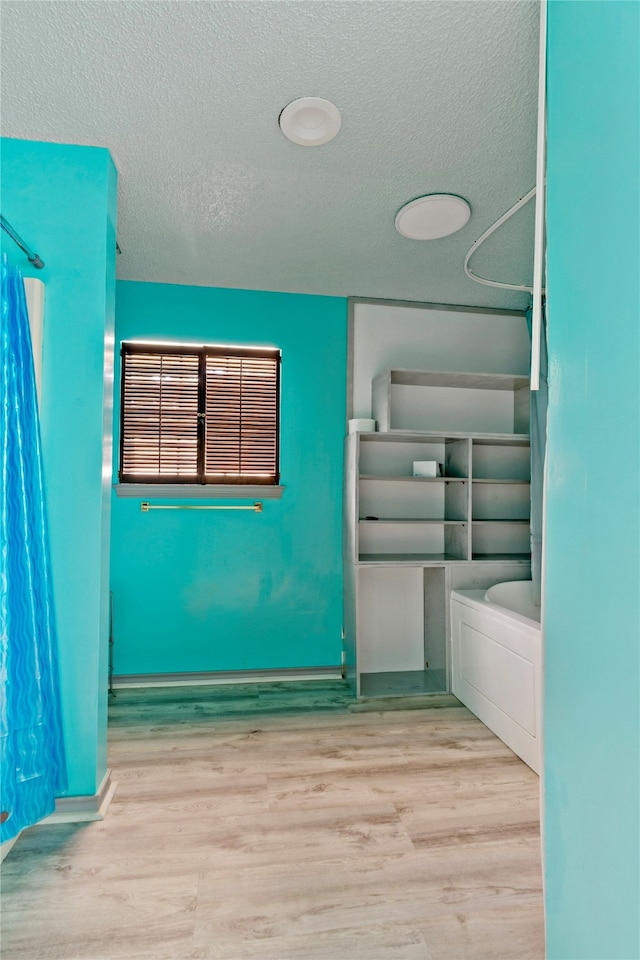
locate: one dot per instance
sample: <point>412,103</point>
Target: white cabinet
<point>405,534</point>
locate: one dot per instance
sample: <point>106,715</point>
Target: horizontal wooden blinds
<point>241,429</point>
<point>207,415</point>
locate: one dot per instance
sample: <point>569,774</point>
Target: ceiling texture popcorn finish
<point>435,97</point>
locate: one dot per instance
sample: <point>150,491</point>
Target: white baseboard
<point>74,810</point>
<point>84,809</point>
<point>123,681</point>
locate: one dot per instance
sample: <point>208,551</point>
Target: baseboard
<point>84,809</point>
<point>225,676</point>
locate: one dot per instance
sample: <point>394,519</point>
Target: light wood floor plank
<point>276,823</point>
<point>386,942</point>
<point>79,917</point>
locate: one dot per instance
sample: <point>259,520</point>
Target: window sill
<point>199,491</point>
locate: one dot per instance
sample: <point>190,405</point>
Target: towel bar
<point>145,506</point>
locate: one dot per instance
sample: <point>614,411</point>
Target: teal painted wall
<point>592,669</point>
<point>198,590</point>
<point>62,200</point>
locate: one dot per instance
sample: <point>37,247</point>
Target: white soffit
<point>436,96</point>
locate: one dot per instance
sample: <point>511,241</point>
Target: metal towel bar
<point>145,506</point>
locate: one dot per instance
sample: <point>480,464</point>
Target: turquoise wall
<point>198,590</point>
<point>592,669</point>
<point>62,201</point>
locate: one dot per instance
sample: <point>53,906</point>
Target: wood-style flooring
<point>283,821</point>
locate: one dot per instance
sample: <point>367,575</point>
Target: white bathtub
<point>496,662</point>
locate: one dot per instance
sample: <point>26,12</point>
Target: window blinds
<point>207,415</point>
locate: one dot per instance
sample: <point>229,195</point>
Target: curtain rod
<point>32,257</point>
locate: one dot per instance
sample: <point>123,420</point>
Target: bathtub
<point>496,660</point>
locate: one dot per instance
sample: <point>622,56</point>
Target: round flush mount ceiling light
<point>310,121</point>
<point>431,217</point>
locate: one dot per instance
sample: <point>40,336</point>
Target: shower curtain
<point>31,743</point>
<point>538,429</point>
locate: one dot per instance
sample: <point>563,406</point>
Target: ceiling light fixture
<point>310,121</point>
<point>433,216</point>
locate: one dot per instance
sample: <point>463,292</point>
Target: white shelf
<point>501,520</point>
<point>451,401</point>
<point>438,436</point>
<point>409,559</point>
<point>401,479</point>
<point>437,559</point>
<point>413,520</point>
<point>524,558</point>
<point>495,480</point>
<point>501,440</point>
<point>457,380</point>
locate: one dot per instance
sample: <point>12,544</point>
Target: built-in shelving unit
<point>451,518</point>
<point>405,535</point>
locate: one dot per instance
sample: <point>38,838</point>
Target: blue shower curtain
<point>538,430</point>
<point>31,744</point>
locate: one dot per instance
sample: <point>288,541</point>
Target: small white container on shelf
<point>427,468</point>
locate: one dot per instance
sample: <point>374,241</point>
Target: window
<point>199,414</point>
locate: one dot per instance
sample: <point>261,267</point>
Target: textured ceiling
<point>435,97</point>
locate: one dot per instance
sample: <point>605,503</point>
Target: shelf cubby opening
<point>493,539</point>
<point>407,499</point>
<point>411,537</point>
<point>393,456</point>
<point>401,499</point>
<point>455,402</point>
<point>501,501</point>
<point>402,683</point>
<point>500,461</point>
<point>403,643</point>
<point>456,500</point>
